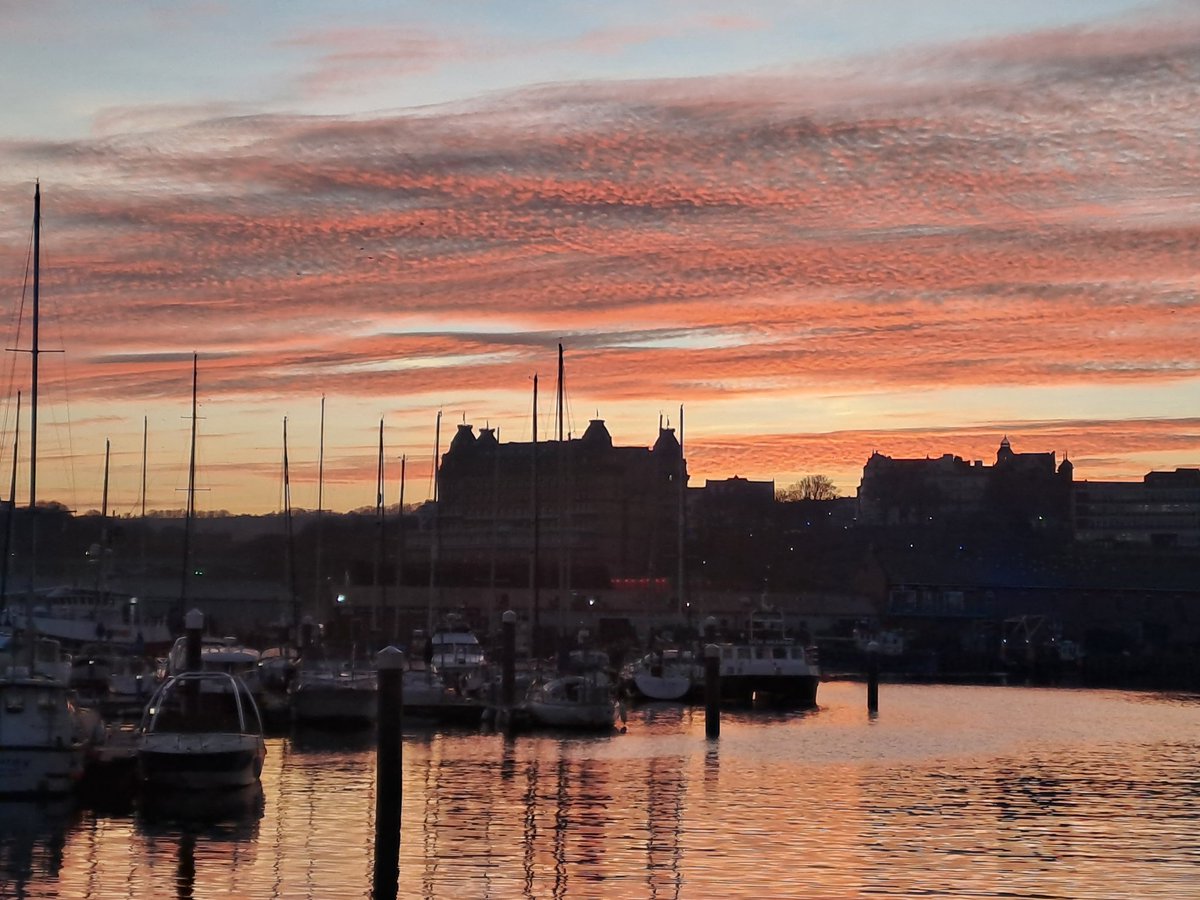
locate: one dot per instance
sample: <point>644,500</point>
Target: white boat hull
<point>572,701</point>
<point>668,686</point>
<point>42,735</point>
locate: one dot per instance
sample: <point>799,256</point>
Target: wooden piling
<point>872,677</point>
<point>712,691</point>
<point>389,663</point>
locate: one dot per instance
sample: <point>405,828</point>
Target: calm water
<point>950,791</point>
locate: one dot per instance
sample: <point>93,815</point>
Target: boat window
<point>760,653</point>
<point>780,653</point>
<point>743,652</point>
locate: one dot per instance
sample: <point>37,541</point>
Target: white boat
<point>458,657</point>
<point>43,736</point>
<point>77,616</point>
<point>217,654</point>
<point>669,674</point>
<point>578,701</point>
<point>201,731</point>
<point>427,698</point>
<point>329,692</point>
<point>769,665</point>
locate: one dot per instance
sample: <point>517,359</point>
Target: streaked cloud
<point>1016,211</point>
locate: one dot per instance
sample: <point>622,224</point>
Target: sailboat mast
<point>379,598</point>
<point>288,535</point>
<point>190,509</point>
<point>435,537</point>
<point>535,562</point>
<point>682,530</point>
<point>102,571</point>
<point>142,528</point>
<point>399,551</point>
<point>562,504</point>
<point>320,507</point>
<point>12,510</point>
<point>35,348</point>
<point>35,351</point>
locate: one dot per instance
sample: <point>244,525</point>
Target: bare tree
<point>810,487</point>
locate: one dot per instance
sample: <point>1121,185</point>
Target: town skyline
<point>822,231</point>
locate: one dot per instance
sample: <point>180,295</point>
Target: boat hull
<point>328,705</point>
<point>667,686</point>
<point>39,771</point>
<point>200,761</point>
<point>777,690</point>
<point>583,716</point>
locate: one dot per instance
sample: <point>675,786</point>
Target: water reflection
<point>956,792</point>
<point>32,838</point>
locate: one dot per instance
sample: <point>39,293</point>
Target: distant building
<point>1163,510</point>
<point>603,513</point>
<point>1025,487</point>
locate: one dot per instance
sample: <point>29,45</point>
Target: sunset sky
<point>823,228</point>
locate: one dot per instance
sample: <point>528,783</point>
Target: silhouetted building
<point>1020,489</point>
<point>1163,509</point>
<point>603,513</point>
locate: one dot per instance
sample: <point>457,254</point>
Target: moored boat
<point>583,701</point>
<point>43,735</point>
<point>769,665</point>
<point>201,731</point>
<point>669,674</point>
<point>334,693</point>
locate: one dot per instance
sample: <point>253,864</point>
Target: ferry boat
<point>769,665</point>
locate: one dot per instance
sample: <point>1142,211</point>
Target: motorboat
<point>457,656</point>
<point>768,664</point>
<point>217,654</point>
<point>43,735</point>
<point>201,731</point>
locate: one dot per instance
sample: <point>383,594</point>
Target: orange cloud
<point>1030,223</point>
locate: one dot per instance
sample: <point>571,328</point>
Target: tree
<point>810,487</point>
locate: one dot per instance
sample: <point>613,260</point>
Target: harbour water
<point>951,791</point>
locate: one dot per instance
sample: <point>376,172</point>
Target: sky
<point>821,229</point>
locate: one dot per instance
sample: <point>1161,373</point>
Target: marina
<point>976,791</point>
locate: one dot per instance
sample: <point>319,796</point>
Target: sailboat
<point>42,736</point>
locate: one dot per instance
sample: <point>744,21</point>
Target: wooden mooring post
<point>872,677</point>
<point>389,770</point>
<point>712,691</point>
